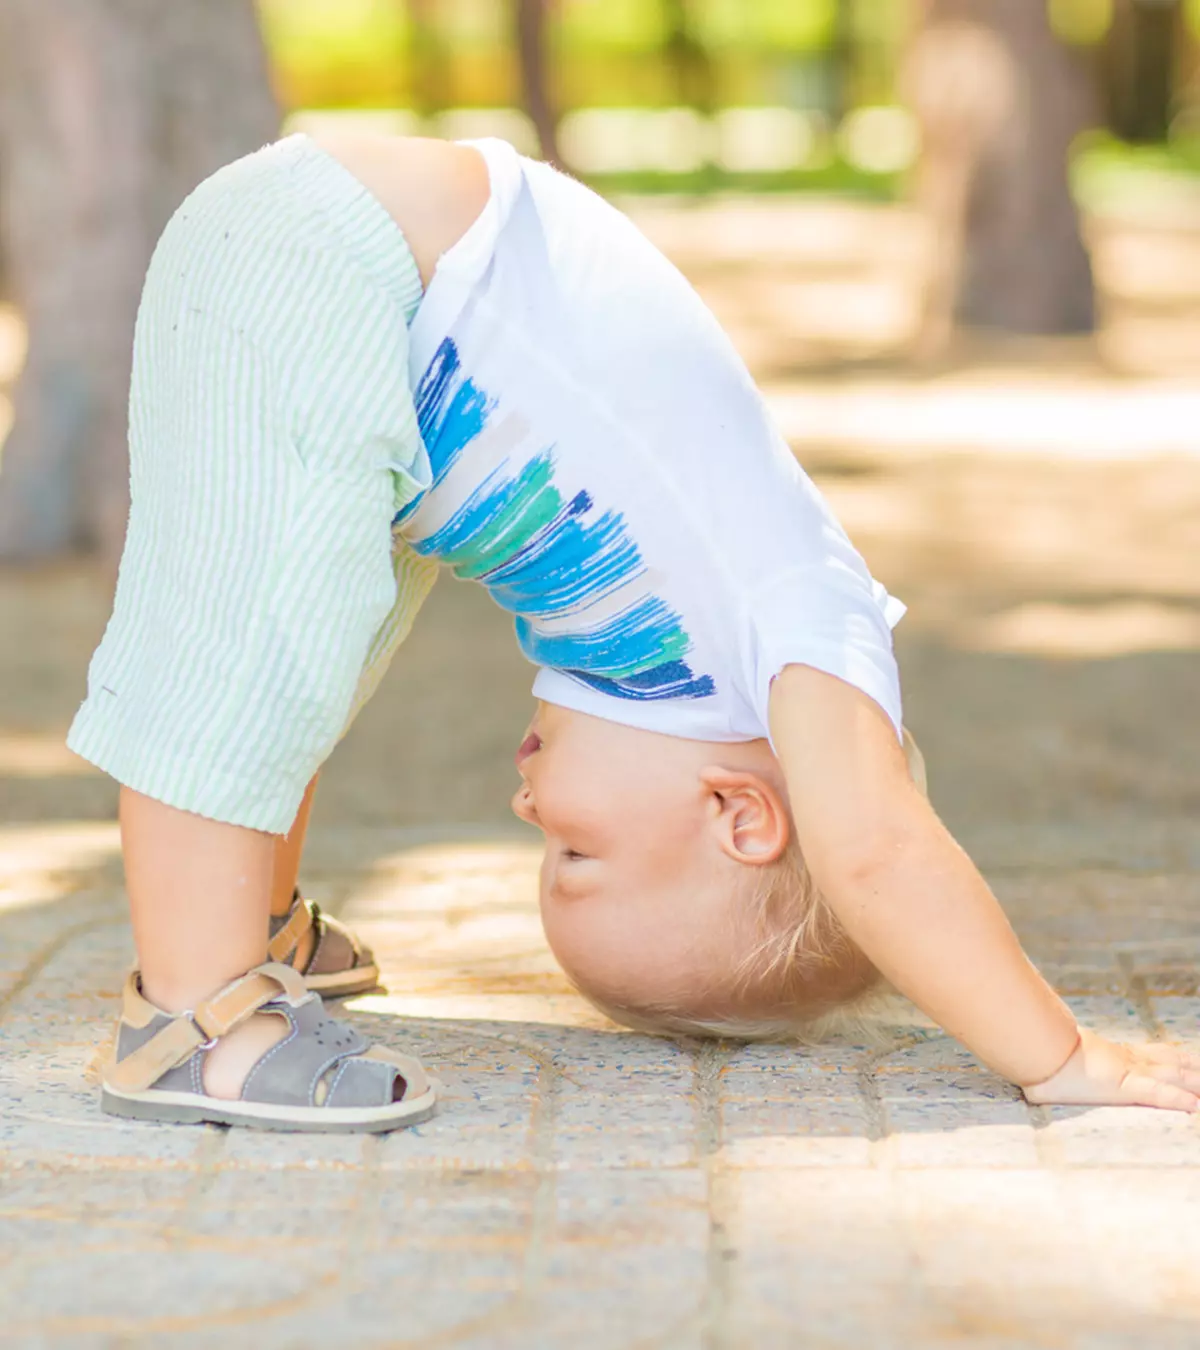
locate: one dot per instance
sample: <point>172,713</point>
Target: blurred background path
<point>1032,493</point>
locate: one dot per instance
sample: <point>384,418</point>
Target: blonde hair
<point>799,945</point>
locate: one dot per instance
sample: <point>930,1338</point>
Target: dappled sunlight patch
<point>864,312</point>
<point>962,539</point>
<point>463,874</point>
<point>877,505</point>
<point>785,1151</point>
<point>456,929</point>
<point>565,1009</point>
<point>42,863</point>
<point>14,343</point>
<point>1152,342</point>
<point>40,755</point>
<point>1001,412</point>
<point>1085,630</point>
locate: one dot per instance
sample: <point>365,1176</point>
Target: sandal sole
<point>186,1108</point>
<point>343,983</point>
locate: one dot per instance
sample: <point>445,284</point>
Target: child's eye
<point>572,856</point>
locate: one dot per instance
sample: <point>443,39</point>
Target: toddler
<point>359,359</point>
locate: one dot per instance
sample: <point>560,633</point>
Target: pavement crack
<point>41,959</point>
<point>874,1110</point>
<point>207,1158</point>
<point>1135,991</point>
<point>542,1220</point>
<point>708,1061</point>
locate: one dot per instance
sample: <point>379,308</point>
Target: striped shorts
<point>272,439</point>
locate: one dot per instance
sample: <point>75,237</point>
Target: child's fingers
<point>1140,1089</point>
<point>1168,1054</point>
<point>1172,1073</point>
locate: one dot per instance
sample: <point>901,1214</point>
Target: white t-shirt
<point>603,463</point>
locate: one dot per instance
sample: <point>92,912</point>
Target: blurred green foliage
<point>1080,21</point>
<point>837,178</point>
<point>331,53</point>
<point>358,53</point>
<point>807,54</point>
<point>1107,173</point>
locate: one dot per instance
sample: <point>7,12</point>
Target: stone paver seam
<point>543,1117</point>
<point>906,1225</point>
<point>361,1239</point>
<point>1141,998</point>
<point>708,1061</point>
<point>1045,1143</point>
<point>542,1139</point>
<point>16,1271</point>
<point>131,1331</point>
<point>42,958</point>
<point>520,1306</point>
<point>360,1231</point>
<point>674,1337</point>
<point>207,1160</point>
<point>76,1164</point>
<point>508,1313</point>
<point>1058,871</point>
<point>1045,1146</point>
<point>874,1110</point>
<point>212,1144</point>
<point>539,1238</point>
<point>1135,991</point>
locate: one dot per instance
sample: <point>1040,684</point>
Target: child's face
<point>645,843</point>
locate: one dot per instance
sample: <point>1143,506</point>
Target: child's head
<point>672,890</point>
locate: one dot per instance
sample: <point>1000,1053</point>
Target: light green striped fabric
<point>272,439</point>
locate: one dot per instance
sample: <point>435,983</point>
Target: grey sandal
<point>323,1076</point>
<point>339,964</point>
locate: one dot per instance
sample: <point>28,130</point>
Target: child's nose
<point>522,805</point>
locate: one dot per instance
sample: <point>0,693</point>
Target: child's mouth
<point>531,743</point>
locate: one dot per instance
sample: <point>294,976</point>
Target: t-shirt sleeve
<point>832,617</point>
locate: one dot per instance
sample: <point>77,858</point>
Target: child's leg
<point>155,837</point>
<point>286,867</point>
<point>333,961</point>
<point>199,896</point>
<point>268,461</point>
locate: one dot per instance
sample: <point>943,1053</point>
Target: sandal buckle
<point>209,1041</point>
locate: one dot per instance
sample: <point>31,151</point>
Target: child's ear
<point>749,815</point>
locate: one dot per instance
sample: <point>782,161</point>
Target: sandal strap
<point>290,1073</point>
<point>207,1022</point>
<point>287,940</point>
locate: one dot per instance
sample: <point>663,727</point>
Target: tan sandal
<point>323,1076</point>
<point>339,964</point>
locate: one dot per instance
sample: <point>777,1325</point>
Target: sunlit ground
<point>13,345</point>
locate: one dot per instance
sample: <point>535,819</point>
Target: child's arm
<point>916,905</point>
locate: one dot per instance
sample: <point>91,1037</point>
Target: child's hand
<point>1103,1073</point>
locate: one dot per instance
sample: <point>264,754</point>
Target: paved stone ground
<point>587,1187</point>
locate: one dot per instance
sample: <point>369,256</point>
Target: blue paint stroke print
<point>451,412</point>
<point>614,648</point>
<point>549,560</point>
<point>673,680</point>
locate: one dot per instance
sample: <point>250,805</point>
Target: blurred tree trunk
<point>688,59</point>
<point>1141,52</point>
<point>110,112</point>
<point>999,100</point>
<point>530,21</point>
<point>429,67</point>
<point>843,53</point>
